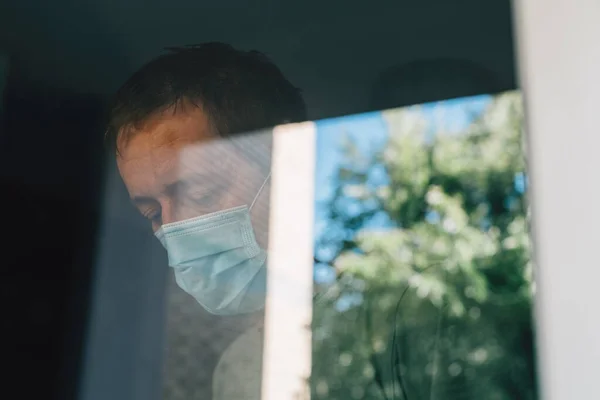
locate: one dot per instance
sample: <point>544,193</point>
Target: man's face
<point>175,168</point>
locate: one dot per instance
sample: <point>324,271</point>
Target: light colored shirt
<point>238,374</point>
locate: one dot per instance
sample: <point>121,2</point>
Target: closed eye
<point>149,208</point>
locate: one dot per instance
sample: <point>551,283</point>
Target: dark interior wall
<point>72,312</point>
<point>51,177</point>
<point>333,50</point>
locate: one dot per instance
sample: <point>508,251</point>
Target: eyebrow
<point>194,178</point>
<point>139,200</point>
<point>145,199</point>
<point>183,185</point>
<point>200,179</point>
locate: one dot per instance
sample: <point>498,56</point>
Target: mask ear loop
<point>260,190</point>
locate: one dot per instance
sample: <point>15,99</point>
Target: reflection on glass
<point>423,275</point>
<point>218,257</point>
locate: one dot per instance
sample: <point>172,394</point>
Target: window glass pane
<point>423,269</point>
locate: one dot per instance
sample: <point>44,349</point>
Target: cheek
<point>155,226</point>
<point>238,193</point>
<point>238,189</point>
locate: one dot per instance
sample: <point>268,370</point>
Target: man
<point>175,126</point>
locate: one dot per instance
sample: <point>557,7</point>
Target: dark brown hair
<point>240,91</point>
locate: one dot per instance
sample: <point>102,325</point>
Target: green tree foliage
<point>436,304</point>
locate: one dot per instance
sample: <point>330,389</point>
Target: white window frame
<point>559,65</point>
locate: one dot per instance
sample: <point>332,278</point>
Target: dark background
<point>83,302</point>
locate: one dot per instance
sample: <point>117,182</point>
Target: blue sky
<point>370,133</point>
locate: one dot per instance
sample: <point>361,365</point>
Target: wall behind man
<point>333,50</point>
<point>3,74</point>
<point>50,175</point>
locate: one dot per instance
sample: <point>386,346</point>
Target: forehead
<point>168,130</point>
<point>171,145</point>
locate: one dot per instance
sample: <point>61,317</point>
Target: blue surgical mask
<point>217,260</point>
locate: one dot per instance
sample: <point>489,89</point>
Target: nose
<point>173,211</point>
<point>168,212</point>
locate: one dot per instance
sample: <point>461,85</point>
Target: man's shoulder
<point>238,373</point>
